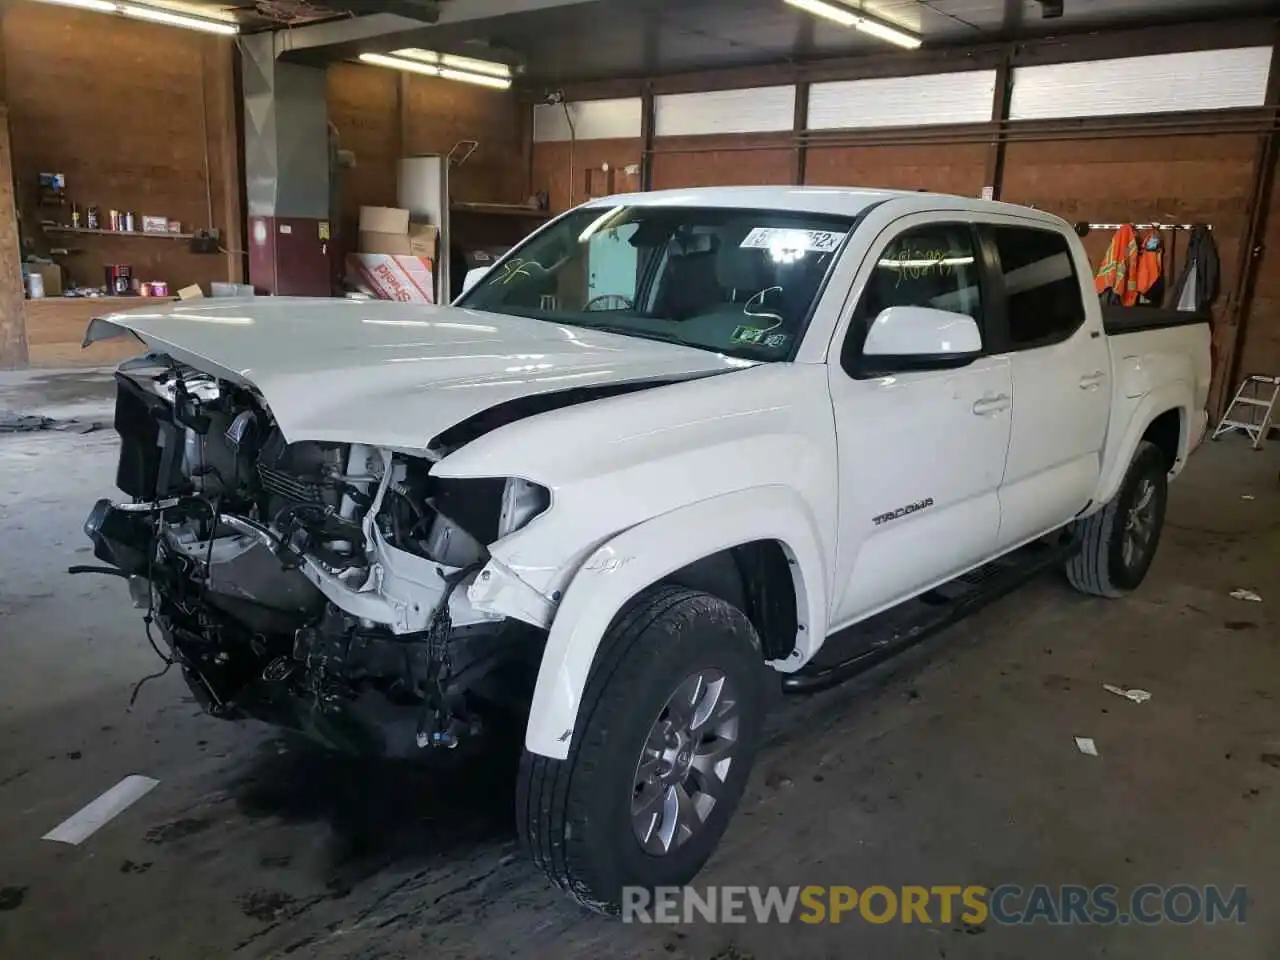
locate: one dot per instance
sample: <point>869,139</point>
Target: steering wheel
<point>609,301</point>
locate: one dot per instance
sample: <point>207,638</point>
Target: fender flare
<point>1172,396</point>
<point>641,556</point>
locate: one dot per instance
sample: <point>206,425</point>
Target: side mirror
<point>474,276</point>
<point>920,338</point>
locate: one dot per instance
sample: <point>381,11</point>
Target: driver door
<point>921,451</point>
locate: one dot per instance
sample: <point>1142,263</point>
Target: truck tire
<point>1119,541</point>
<point>666,734</point>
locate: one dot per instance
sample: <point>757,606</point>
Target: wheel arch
<point>734,544</point>
<point>1162,417</point>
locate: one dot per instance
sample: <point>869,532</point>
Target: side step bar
<point>862,646</point>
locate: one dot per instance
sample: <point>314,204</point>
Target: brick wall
<point>381,115</point>
<point>131,112</point>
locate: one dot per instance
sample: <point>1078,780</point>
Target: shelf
<point>56,228</point>
<point>500,210</point>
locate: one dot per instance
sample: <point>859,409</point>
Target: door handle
<point>990,405</point>
<point>1091,380</point>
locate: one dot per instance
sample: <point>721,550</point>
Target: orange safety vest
<point>1129,269</point>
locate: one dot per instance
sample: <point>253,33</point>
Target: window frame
<point>855,363</point>
<point>1001,338</point>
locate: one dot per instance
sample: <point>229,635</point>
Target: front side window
<point>738,282</point>
<point>1040,282</point>
<point>935,265</point>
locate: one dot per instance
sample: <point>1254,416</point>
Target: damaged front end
<point>317,586</point>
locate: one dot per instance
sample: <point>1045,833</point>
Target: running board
<point>889,633</point>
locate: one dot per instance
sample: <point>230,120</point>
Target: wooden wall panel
<point>552,172</point>
<point>131,112</point>
<point>947,168</point>
<point>440,113</point>
<point>711,167</point>
<point>363,109</point>
<point>366,110</point>
<point>1260,351</point>
<point>1185,179</point>
<point>13,336</point>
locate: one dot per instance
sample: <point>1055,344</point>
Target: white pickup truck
<point>673,449</point>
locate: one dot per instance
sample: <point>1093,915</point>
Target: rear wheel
<point>667,731</point>
<point>1119,541</point>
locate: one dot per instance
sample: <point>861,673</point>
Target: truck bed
<point>1118,321</point>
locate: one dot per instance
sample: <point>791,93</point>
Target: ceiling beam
<point>386,31</point>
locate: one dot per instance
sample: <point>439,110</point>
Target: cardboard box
<point>384,220</point>
<point>192,292</point>
<point>407,279</point>
<point>52,275</point>
<point>155,224</point>
<point>395,244</point>
<point>422,239</point>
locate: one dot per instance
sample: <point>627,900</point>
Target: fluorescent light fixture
<point>179,20</point>
<point>498,83</point>
<point>468,65</point>
<point>396,63</point>
<point>848,17</point>
<point>819,8</point>
<point>883,31</point>
<point>414,53</point>
<point>472,65</point>
<point>101,6</point>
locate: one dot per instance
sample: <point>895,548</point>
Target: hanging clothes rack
<point>1148,226</point>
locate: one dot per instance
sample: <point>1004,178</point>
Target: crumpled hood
<point>393,374</point>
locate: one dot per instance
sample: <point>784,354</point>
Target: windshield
<point>739,282</point>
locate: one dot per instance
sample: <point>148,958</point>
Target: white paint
<point>1126,86</point>
<point>592,120</point>
<point>80,826</point>
<point>644,483</point>
<point>963,97</point>
<point>755,110</point>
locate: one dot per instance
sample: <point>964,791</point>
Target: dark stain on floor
<point>177,829</point>
<point>11,897</point>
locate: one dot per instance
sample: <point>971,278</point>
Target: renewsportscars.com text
<point>1008,904</point>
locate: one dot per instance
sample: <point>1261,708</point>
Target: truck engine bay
<point>316,586</point>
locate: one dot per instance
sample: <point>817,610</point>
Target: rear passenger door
<point>1061,378</point>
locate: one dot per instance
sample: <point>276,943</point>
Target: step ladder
<point>1252,409</point>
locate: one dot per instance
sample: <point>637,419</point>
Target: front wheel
<point>667,731</point>
<point>1119,541</point>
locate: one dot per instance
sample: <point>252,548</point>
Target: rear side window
<point>1044,303</point>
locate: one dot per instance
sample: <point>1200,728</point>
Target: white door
<point>921,451</point>
<point>1061,383</point>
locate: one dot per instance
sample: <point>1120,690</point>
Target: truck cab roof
<point>842,201</point>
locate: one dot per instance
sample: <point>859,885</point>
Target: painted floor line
<point>80,826</point>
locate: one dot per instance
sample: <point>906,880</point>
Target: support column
<point>993,178</point>
<point>13,320</point>
<point>800,133</point>
<point>286,166</point>
<point>647,116</point>
<point>1227,372</point>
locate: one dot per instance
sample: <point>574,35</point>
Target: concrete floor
<point>955,765</point>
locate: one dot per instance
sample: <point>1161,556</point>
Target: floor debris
<point>1134,694</point>
<point>13,422</point>
<point>1087,746</point>
<point>1245,595</point>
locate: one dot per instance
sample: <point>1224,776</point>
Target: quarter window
<point>1044,302</point>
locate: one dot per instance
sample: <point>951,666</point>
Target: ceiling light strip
<point>178,19</point>
<point>848,17</point>
<point>431,70</point>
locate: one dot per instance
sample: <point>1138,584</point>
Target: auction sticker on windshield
<point>770,238</point>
